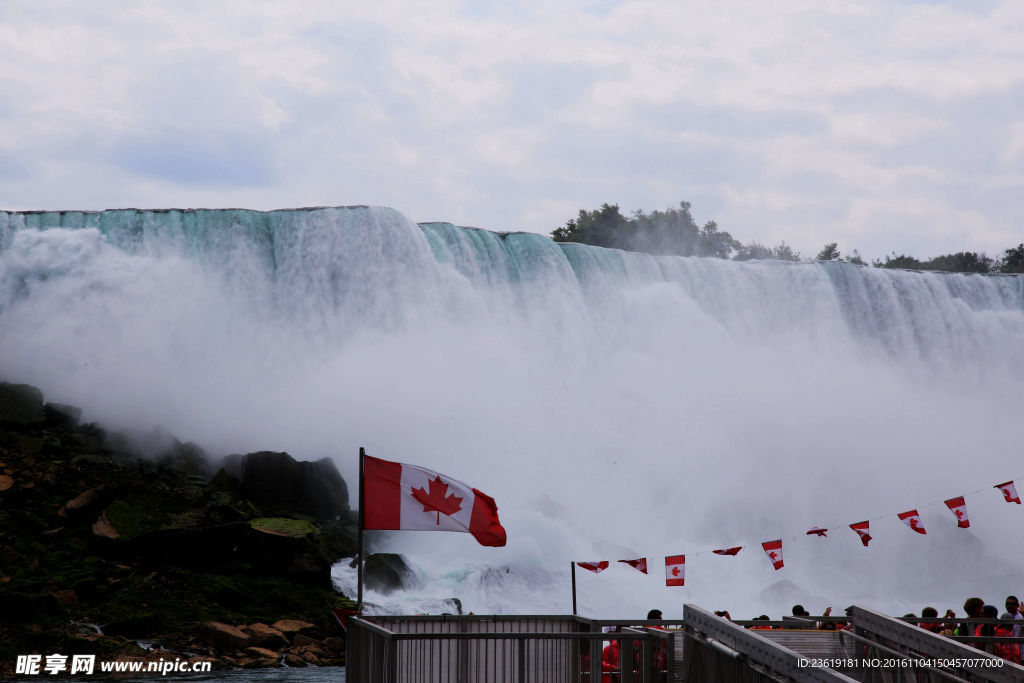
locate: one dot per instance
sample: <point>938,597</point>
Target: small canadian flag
<point>862,530</point>
<point>596,567</point>
<point>817,531</point>
<point>774,551</point>
<point>640,564</point>
<point>913,520</point>
<point>728,551</point>
<point>675,570</point>
<point>1009,492</point>
<point>959,508</point>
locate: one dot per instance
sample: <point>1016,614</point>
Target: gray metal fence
<point>527,649</point>
<point>568,649</point>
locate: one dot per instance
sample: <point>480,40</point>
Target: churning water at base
<point>616,405</point>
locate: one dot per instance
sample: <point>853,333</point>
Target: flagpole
<point>362,507</point>
<point>572,565</point>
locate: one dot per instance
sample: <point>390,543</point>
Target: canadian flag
<point>398,496</point>
<point>818,531</point>
<point>728,551</point>
<point>774,551</point>
<point>1009,492</point>
<point>640,565</point>
<point>596,567</point>
<point>675,570</point>
<point>959,508</point>
<point>913,520</point>
<point>862,530</point>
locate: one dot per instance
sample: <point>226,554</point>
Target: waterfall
<point>615,404</point>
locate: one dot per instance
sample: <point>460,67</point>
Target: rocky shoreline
<point>140,547</point>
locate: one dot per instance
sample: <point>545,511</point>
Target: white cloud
<point>774,119</point>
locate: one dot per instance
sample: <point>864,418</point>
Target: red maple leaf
<point>435,501</point>
<point>773,556</point>
<point>675,571</point>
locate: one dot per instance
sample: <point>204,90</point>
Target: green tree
<point>784,252</point>
<point>901,261</point>
<point>960,262</point>
<point>661,232</point>
<point>604,227</point>
<point>1012,260</point>
<point>753,251</point>
<point>855,258</point>
<point>715,242</point>
<point>830,252</point>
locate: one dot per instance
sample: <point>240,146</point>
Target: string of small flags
<point>675,565</point>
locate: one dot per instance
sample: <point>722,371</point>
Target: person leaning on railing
<point>934,626</point>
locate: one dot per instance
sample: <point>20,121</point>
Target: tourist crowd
<point>1011,626</point>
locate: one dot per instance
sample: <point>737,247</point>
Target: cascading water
<point>616,405</point>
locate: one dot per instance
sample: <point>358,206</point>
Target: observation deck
<point>699,647</point>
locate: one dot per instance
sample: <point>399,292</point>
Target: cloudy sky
<point>886,126</point>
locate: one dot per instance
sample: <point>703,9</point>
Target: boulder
<point>6,482</point>
<point>277,482</point>
<point>103,528</point>
<point>83,502</point>
<point>66,596</point>
<point>222,637</point>
<point>294,660</point>
<point>262,635</point>
<point>305,641</point>
<point>292,627</point>
<point>62,415</point>
<point>309,568</point>
<point>261,652</point>
<point>387,572</point>
<point>334,645</point>
<point>21,404</point>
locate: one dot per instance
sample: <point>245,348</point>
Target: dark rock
<point>387,572</point>
<point>188,458</point>
<point>66,597</point>
<point>262,653</point>
<point>276,481</point>
<point>222,637</point>
<point>21,404</point>
<point>294,660</point>
<point>84,503</point>
<point>266,636</point>
<point>292,627</point>
<point>310,568</point>
<point>103,528</point>
<point>62,415</point>
<point>301,640</point>
<point>334,645</point>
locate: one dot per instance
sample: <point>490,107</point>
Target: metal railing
<point>911,653</point>
<point>865,646</point>
<point>527,649</point>
<point>721,651</point>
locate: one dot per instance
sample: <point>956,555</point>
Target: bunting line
<point>675,565</point>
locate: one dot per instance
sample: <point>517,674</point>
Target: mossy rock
<point>296,528</point>
<point>146,511</point>
<point>21,404</point>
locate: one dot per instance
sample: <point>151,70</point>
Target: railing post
<point>521,643</point>
<point>392,649</point>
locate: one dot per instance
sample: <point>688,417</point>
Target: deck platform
<point>700,647</point>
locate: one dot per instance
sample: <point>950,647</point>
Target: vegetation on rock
<point>100,546</point>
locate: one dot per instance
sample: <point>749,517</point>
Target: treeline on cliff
<point>674,231</point>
